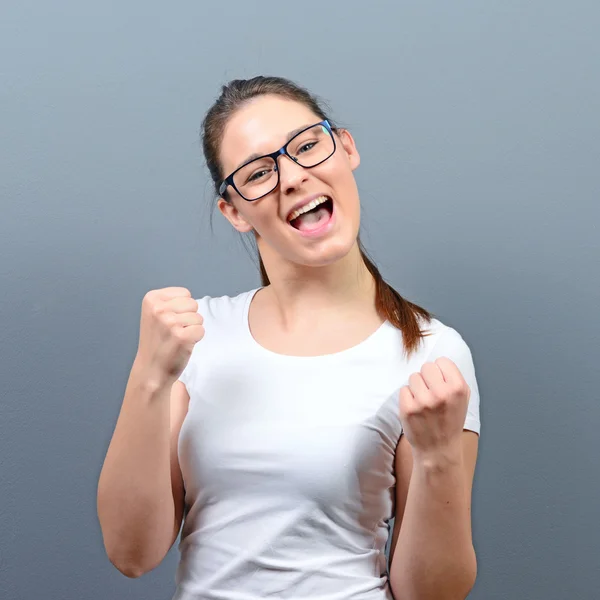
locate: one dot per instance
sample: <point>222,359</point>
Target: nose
<point>291,174</point>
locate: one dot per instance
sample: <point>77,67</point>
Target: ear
<point>233,215</point>
<point>349,146</point>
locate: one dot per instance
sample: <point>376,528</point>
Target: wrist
<point>150,379</point>
<point>439,459</point>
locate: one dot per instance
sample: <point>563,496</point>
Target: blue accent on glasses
<point>228,181</point>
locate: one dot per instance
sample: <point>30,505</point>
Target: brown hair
<point>389,303</point>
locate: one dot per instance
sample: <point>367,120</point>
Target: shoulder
<point>224,320</point>
<point>445,341</point>
<point>442,339</point>
<point>224,307</point>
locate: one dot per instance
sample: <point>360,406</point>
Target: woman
<point>291,422</point>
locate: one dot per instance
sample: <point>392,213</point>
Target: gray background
<point>478,126</point>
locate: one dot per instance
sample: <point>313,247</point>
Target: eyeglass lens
<point>308,148</point>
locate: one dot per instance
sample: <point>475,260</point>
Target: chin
<point>327,253</point>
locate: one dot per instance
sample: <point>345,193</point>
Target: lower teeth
<point>310,219</point>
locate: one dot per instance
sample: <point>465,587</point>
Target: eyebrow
<point>289,136</point>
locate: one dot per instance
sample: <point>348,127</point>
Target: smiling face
<point>262,126</point>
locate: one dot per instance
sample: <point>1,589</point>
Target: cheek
<point>332,174</point>
<point>340,178</point>
<point>264,217</point>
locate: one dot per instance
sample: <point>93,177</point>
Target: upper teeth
<point>307,207</point>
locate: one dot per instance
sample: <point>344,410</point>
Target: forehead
<point>261,126</point>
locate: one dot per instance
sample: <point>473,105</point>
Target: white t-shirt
<point>288,462</point>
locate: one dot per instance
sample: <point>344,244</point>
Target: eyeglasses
<point>260,176</point>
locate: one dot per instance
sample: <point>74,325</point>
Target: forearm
<point>135,502</point>
<point>434,558</point>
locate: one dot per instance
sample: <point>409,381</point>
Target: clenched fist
<point>170,326</point>
<point>433,407</point>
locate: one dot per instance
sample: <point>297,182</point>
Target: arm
<point>140,490</point>
<point>432,555</point>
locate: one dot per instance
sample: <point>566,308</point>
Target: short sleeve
<point>451,345</point>
<point>188,373</point>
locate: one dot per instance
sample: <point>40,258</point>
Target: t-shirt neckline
<point>342,354</point>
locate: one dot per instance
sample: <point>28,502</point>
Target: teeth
<point>307,207</point>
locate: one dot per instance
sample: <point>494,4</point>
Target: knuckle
<point>440,404</point>
<point>426,402</point>
<point>444,395</point>
<point>148,298</point>
<point>167,318</point>
<point>412,411</point>
<point>459,389</point>
<point>431,403</point>
<point>180,337</point>
<point>156,309</point>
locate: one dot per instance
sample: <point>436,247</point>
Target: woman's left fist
<point>433,407</point>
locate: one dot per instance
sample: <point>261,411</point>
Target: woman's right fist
<point>170,326</point>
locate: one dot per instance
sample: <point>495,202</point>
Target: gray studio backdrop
<point>479,131</point>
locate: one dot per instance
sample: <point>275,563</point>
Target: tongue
<point>312,220</point>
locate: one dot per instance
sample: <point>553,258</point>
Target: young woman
<point>286,426</point>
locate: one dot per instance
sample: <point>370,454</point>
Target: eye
<point>258,175</point>
<point>306,147</point>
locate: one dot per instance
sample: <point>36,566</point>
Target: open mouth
<point>314,218</point>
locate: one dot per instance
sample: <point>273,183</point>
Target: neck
<point>343,288</point>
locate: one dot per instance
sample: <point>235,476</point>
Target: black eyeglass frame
<point>228,181</point>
